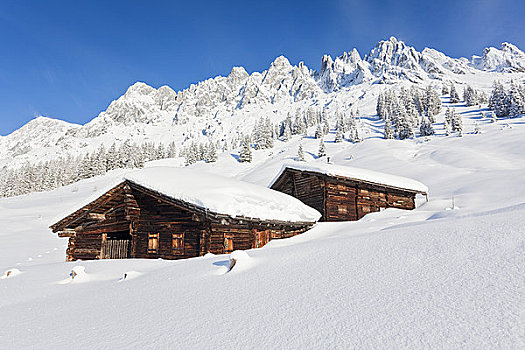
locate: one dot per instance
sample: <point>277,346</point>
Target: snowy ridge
<point>223,108</point>
<point>365,175</point>
<point>213,193</point>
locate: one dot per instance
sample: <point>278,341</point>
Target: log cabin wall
<point>165,219</point>
<point>108,217</point>
<point>131,213</point>
<point>341,199</point>
<point>308,188</point>
<point>372,199</point>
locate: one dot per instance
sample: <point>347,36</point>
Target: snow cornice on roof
<point>210,193</point>
<point>357,174</point>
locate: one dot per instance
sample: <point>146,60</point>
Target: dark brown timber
<point>132,221</point>
<point>339,198</point>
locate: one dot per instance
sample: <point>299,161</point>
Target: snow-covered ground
<point>442,276</point>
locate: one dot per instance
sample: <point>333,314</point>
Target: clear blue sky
<point>70,59</point>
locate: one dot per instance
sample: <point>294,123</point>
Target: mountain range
<point>222,108</point>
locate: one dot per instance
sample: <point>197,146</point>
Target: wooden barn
<point>174,213</point>
<point>343,193</point>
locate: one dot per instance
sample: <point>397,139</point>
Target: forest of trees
<point>404,112</point>
<point>65,170</point>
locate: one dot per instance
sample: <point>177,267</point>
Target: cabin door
<point>116,245</point>
<point>261,238</point>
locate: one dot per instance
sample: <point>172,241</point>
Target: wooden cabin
<point>174,213</point>
<point>343,193</point>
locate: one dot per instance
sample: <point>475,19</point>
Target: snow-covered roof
<point>364,175</point>
<point>216,194</point>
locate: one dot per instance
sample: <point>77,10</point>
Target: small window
<point>341,209</point>
<point>177,243</point>
<point>153,243</point>
<point>228,243</point>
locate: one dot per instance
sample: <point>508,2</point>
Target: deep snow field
<point>440,276</point>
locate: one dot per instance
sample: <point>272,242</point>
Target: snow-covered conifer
<point>245,154</point>
<point>211,153</point>
<point>498,101</point>
<point>470,96</point>
<point>426,128</point>
<point>516,102</point>
<point>172,150</point>
<point>338,135</point>
<point>454,96</point>
<point>444,90</point>
<point>319,132</point>
<point>388,133</point>
<point>322,149</point>
<point>300,154</point>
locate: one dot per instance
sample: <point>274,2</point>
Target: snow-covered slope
<point>448,274</point>
<point>222,108</point>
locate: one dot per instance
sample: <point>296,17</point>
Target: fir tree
<point>322,149</point>
<point>444,90</point>
<point>319,132</point>
<point>338,136</point>
<point>457,123</point>
<point>211,153</point>
<point>389,133</point>
<point>300,154</point>
<point>245,155</point>
<point>515,101</point>
<point>354,135</point>
<point>172,150</point>
<point>446,126</point>
<point>498,101</point>
<point>454,96</point>
<point>426,128</point>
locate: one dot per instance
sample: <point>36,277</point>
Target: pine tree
<point>470,96</point>
<point>300,154</point>
<point>299,127</point>
<point>326,127</point>
<point>338,136</point>
<point>454,96</point>
<point>354,135</point>
<point>516,102</point>
<point>457,123</point>
<point>498,101</point>
<point>245,155</point>
<point>444,90</point>
<point>432,100</point>
<point>404,127</point>
<point>172,150</point>
<point>268,133</point>
<point>446,126</point>
<point>319,132</point>
<point>426,128</point>
<point>322,149</point>
<point>211,153</point>
<point>389,133</point>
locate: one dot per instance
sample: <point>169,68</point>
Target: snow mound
<point>365,175</point>
<point>129,275</point>
<point>77,275</point>
<point>223,195</point>
<point>240,260</point>
<point>10,273</point>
